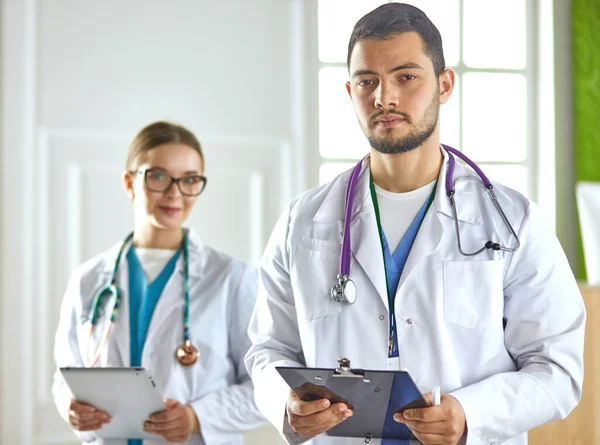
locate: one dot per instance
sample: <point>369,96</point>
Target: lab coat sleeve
<point>274,332</point>
<point>545,324</point>
<point>232,409</point>
<point>66,351</point>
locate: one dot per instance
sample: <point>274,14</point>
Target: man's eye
<point>364,83</point>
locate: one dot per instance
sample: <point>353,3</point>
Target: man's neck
<point>405,172</point>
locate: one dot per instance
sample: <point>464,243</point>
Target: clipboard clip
<point>344,369</point>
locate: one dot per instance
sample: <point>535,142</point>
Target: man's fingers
<point>431,427</point>
<point>327,418</point>
<point>171,403</point>
<point>332,423</point>
<point>312,418</point>
<point>428,398</point>
<point>301,408</point>
<point>431,414</point>
<point>312,390</point>
<point>431,439</point>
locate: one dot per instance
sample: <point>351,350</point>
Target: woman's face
<point>170,208</point>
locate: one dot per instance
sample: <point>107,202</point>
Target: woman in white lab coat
<point>209,396</point>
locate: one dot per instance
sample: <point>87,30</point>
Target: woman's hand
<point>176,424</point>
<point>84,417</point>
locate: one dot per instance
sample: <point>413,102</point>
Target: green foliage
<point>585,21</point>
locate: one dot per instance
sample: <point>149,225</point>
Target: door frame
<point>17,127</point>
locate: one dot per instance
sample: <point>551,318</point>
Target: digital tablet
<point>128,395</point>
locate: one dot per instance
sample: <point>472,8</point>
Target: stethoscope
<point>186,354</point>
<point>345,289</point>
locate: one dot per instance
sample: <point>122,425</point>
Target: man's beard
<point>415,138</point>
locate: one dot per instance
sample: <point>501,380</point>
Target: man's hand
<point>443,424</point>
<point>312,418</point>
<point>176,424</point>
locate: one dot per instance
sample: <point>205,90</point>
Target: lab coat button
<point>382,317</point>
<point>408,321</point>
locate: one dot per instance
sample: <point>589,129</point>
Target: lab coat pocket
<point>474,293</point>
<point>314,272</point>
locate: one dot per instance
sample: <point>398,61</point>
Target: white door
<point>79,79</point>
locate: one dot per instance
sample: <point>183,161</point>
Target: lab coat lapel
<point>116,352</point>
<point>430,233</point>
<point>432,229</point>
<point>170,300</point>
<point>427,240</point>
<point>365,244</point>
<point>365,241</point>
<point>120,328</point>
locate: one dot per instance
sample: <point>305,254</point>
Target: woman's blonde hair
<point>159,133</point>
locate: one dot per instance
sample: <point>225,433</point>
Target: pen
<point>435,396</point>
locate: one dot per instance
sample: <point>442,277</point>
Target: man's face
<point>395,92</point>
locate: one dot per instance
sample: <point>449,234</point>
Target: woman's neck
<point>153,238</point>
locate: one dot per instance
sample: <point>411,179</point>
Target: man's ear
<point>446,79</point>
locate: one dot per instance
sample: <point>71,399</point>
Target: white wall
<point>79,78</point>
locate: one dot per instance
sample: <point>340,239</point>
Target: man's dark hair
<point>398,18</point>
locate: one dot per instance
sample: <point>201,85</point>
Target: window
<point>489,114</point>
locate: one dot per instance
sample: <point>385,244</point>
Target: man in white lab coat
<point>501,331</point>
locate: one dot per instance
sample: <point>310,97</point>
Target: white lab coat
<point>222,295</point>
<point>449,308</point>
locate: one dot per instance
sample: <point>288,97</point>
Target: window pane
<point>494,124</point>
<point>513,176</point>
<point>340,135</point>
<point>450,119</point>
<point>494,33</point>
<point>330,170</point>
<point>336,21</point>
<point>444,15</point>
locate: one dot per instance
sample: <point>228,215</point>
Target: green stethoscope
<point>186,354</point>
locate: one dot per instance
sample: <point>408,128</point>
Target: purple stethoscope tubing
<point>344,270</point>
<point>350,191</point>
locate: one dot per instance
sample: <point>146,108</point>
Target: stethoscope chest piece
<point>187,354</point>
<point>344,291</point>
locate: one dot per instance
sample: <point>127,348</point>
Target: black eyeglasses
<point>158,180</point>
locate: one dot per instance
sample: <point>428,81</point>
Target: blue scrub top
<point>142,301</point>
<point>394,265</point>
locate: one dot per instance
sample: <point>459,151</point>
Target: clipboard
<point>374,397</point>
<point>128,395</point>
